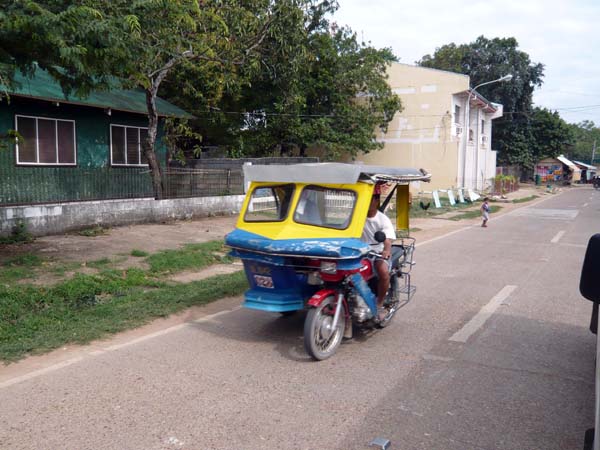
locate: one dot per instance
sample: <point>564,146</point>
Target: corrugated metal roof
<point>568,162</point>
<point>43,87</point>
<point>587,166</point>
<point>334,173</point>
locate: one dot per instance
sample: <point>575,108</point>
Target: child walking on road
<point>485,212</point>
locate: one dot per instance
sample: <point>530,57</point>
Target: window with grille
<point>48,142</point>
<point>126,145</point>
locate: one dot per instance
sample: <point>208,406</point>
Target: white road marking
<point>430,357</point>
<point>419,244</point>
<point>37,373</point>
<point>545,213</point>
<point>585,204</point>
<point>482,316</point>
<point>97,352</point>
<point>217,314</point>
<point>146,337</point>
<point>556,238</point>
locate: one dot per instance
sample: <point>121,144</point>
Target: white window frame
<point>125,145</point>
<point>37,142</point>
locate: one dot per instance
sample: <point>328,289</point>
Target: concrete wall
<point>62,217</point>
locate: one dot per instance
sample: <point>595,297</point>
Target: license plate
<point>263,281</point>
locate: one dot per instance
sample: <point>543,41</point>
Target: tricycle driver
<point>378,221</point>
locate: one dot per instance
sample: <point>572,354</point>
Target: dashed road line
<point>482,316</point>
<point>556,238</point>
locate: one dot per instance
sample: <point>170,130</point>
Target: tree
<point>551,134</point>
<point>489,59</point>
<point>70,41</point>
<point>196,36</point>
<point>140,42</point>
<point>314,85</point>
<point>587,135</point>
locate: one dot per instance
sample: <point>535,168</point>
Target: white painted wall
<point>62,217</point>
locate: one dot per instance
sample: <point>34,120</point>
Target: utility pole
<point>593,153</point>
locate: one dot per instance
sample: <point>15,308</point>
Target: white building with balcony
<point>433,131</point>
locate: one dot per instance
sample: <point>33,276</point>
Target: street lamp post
<point>466,127</point>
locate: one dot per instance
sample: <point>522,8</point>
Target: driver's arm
<point>387,249</point>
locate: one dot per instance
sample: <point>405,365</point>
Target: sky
<point>562,35</point>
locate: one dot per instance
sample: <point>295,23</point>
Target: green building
<point>73,148</point>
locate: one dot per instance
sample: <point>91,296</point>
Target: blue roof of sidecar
<point>332,173</point>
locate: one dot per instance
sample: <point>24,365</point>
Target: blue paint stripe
<point>349,248</point>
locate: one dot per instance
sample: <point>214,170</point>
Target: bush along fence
<point>504,184</point>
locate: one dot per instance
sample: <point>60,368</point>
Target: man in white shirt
<point>378,221</point>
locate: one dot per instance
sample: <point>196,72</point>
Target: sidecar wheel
<point>320,341</point>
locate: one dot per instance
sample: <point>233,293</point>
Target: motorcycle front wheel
<point>320,340</point>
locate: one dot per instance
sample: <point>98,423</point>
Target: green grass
<point>24,260</point>
<point>93,231</point>
<point>432,211</point>
<point>35,320</point>
<point>190,256</point>
<point>19,235</point>
<point>61,269</point>
<point>525,199</point>
<point>139,253</point>
<point>12,275</point>
<point>475,213</point>
<point>19,267</point>
<point>98,263</point>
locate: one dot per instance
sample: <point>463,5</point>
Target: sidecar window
<point>269,203</point>
<point>331,208</point>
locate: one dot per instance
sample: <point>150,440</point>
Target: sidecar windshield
<point>325,207</point>
<point>269,203</point>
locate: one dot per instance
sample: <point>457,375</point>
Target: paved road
<point>439,377</point>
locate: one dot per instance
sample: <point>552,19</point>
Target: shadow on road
<point>518,384</point>
<point>284,332</point>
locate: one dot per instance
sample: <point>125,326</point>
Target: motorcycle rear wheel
<point>320,341</point>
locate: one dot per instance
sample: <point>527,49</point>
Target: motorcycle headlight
<point>329,267</point>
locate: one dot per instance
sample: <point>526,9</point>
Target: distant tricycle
<point>299,238</point>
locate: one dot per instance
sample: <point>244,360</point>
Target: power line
<point>333,116</point>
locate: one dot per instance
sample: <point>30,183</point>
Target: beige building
<point>430,132</point>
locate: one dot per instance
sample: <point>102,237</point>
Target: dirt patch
<point>119,242</point>
<point>197,275</point>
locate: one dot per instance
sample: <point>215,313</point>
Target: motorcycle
<point>298,236</point>
<point>348,299</point>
